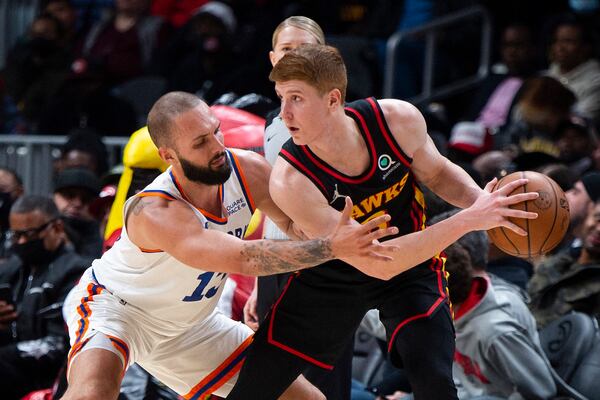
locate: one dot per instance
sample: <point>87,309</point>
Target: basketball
<point>543,233</point>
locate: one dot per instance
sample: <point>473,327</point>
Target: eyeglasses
<point>28,234</point>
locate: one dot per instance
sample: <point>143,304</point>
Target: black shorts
<point>315,316</point>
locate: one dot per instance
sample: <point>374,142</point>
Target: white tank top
<point>156,282</point>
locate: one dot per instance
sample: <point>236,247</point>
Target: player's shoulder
<point>285,176</point>
<point>400,111</point>
<point>145,206</point>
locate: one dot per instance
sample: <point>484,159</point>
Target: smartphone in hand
<point>6,294</point>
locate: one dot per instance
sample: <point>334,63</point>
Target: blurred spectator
<point>100,208</point>
<point>495,97</point>
<point>122,44</point>
<point>84,149</point>
<point>177,12</point>
<point>36,67</point>
<point>66,14</point>
<point>572,63</point>
<point>74,191</point>
<point>560,173</point>
<point>90,11</point>
<point>495,355</point>
<point>584,193</point>
<point>11,188</point>
<point>33,339</point>
<point>577,140</point>
<point>493,164</point>
<point>212,67</point>
<point>564,283</point>
<point>543,105</point>
<point>85,101</point>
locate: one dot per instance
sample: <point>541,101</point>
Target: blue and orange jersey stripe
<point>156,193</point>
<point>221,374</point>
<point>207,214</point>
<point>242,178</point>
<point>122,348</point>
<point>84,311</point>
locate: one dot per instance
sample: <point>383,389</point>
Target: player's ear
<point>272,58</point>
<point>335,98</point>
<point>166,154</point>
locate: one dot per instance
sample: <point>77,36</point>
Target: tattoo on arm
<point>138,206</point>
<point>268,257</point>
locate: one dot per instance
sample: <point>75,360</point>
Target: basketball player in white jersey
<point>152,298</point>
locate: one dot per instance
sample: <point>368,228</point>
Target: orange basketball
<point>547,230</point>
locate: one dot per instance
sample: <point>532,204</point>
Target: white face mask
<point>584,6</point>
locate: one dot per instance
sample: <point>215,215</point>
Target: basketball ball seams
<point>516,253</point>
<point>556,201</point>
<point>544,233</point>
<point>526,221</point>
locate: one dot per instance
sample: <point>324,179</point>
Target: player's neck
<point>343,147</point>
<point>206,197</point>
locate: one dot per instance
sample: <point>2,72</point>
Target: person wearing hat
<point>74,190</point>
<point>584,192</point>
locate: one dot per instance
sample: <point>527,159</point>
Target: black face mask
<point>33,252</point>
<point>5,204</point>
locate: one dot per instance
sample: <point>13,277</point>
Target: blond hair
<point>303,23</point>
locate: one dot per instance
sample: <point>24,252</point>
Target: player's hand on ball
<point>493,208</point>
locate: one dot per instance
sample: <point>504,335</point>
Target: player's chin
<point>298,140</point>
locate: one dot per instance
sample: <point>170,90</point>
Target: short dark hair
<point>586,35</point>
<point>458,265</point>
<point>88,140</point>
<point>166,108</point>
<point>318,65</point>
<point>30,203</point>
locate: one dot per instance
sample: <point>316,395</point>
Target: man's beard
<point>206,175</point>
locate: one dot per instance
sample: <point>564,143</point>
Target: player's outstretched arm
<point>490,210</point>
<point>173,227</point>
<point>293,192</point>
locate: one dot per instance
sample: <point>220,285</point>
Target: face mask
<point>584,6</point>
<point>33,252</point>
<point>5,204</point>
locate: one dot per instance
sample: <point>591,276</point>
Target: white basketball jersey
<point>156,282</point>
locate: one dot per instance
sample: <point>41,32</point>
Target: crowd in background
<point>87,69</point>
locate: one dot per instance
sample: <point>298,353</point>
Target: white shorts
<point>194,362</point>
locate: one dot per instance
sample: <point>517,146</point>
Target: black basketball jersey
<point>387,186</point>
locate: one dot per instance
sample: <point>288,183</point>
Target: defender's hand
<point>351,239</point>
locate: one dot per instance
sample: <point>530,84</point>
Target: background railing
<point>430,32</point>
<point>32,157</point>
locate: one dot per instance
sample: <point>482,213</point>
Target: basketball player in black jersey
<point>378,153</point>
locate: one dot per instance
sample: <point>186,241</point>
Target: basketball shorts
<point>201,359</point>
